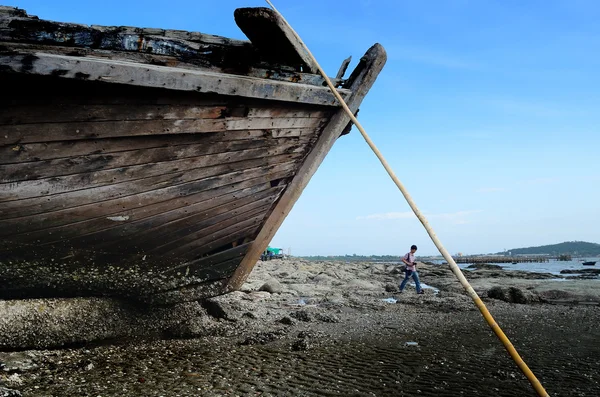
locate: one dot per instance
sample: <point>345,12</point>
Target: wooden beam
<point>273,37</point>
<point>262,70</point>
<point>135,74</point>
<point>47,151</point>
<point>363,78</point>
<point>343,68</point>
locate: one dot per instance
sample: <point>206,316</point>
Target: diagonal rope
<point>453,266</point>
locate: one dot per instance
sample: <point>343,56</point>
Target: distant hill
<point>576,248</point>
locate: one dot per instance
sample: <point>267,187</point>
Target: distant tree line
<point>575,248</point>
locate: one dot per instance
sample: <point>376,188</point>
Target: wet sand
<point>343,341</point>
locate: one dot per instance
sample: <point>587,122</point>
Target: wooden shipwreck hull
<point>154,164</point>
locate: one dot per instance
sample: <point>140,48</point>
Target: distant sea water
<point>552,266</point>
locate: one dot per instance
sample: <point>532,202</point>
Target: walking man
<point>411,270</point>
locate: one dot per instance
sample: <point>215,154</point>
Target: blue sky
<point>488,111</point>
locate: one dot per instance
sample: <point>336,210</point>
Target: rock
<point>251,286</point>
<point>518,296</point>
<point>484,266</point>
<point>391,288</point>
<point>327,318</point>
<point>4,392</point>
<point>324,279</point>
<point>14,380</point>
<point>335,298</point>
<point>301,345</point>
<point>301,315</point>
<point>215,308</point>
<point>263,338</point>
<point>498,293</point>
<point>580,271</point>
<point>257,295</point>
<point>17,362</point>
<point>513,295</point>
<point>273,286</point>
<point>195,326</point>
<point>303,289</point>
<point>310,334</point>
<point>396,270</point>
<point>287,321</point>
<point>250,315</point>
<point>49,323</point>
<point>556,294</point>
<point>362,284</point>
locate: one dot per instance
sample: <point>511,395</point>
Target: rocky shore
<point>313,328</point>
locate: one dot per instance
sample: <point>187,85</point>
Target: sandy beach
<point>300,328</point>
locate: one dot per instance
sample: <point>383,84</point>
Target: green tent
<point>275,251</point>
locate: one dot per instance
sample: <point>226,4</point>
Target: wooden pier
<point>500,259</point>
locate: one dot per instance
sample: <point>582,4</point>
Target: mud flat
<point>302,328</point>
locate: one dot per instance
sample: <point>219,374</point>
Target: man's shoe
<point>421,292</point>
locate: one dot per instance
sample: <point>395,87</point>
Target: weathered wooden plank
<point>142,205</point>
<point>62,113</point>
<point>196,267</point>
<point>342,69</point>
<point>12,12</point>
<point>151,223</point>
<point>273,37</point>
<point>287,112</point>
<point>204,49</point>
<point>50,91</point>
<point>185,248</point>
<point>107,164</point>
<point>360,82</point>
<point>261,70</point>
<point>42,132</point>
<point>194,220</point>
<point>187,233</point>
<point>78,34</point>
<point>114,249</point>
<point>67,113</point>
<point>89,230</point>
<point>56,184</point>
<point>35,152</point>
<point>40,205</point>
<point>207,270</point>
<point>134,74</point>
<point>207,245</point>
<point>226,241</point>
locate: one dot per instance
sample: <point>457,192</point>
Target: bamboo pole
<point>535,383</point>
